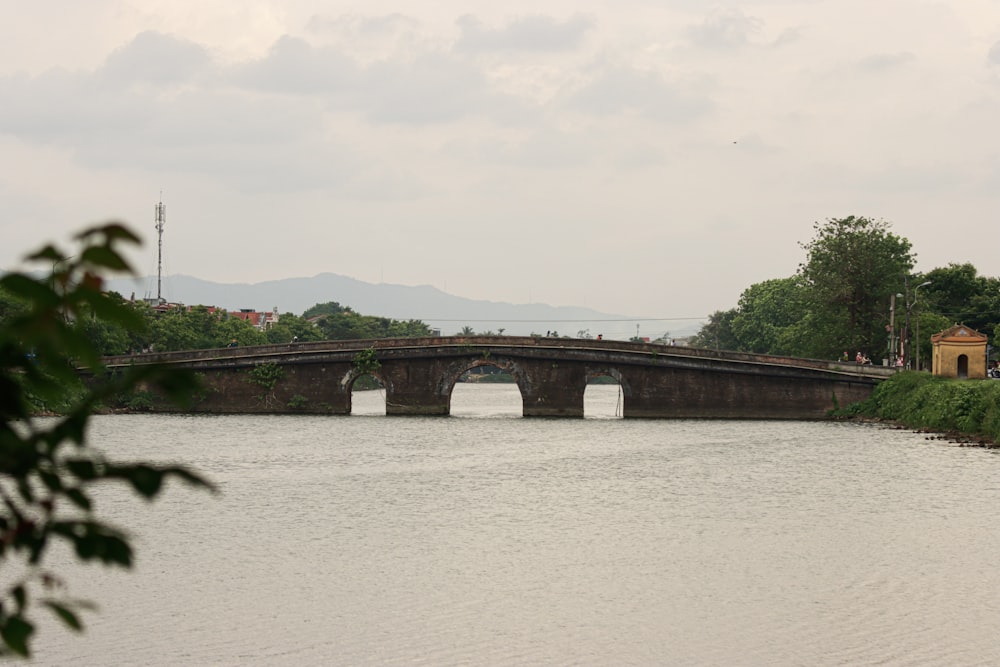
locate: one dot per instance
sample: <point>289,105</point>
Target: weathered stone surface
<point>419,374</point>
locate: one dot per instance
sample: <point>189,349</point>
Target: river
<point>488,539</point>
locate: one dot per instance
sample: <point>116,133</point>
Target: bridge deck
<point>418,375</point>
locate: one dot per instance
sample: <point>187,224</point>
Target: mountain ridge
<point>438,309</point>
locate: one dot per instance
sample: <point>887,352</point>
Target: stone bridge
<point>418,375</point>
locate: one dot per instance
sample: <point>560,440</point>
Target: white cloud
<point>879,62</point>
<point>648,94</point>
<point>502,149</point>
<point>726,29</point>
<point>294,66</point>
<point>535,33</point>
<point>156,59</point>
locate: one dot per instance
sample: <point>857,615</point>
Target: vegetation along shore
<point>966,411</point>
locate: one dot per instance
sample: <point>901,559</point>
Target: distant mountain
<point>436,308</point>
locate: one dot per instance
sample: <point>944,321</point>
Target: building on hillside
<point>959,352</point>
<point>261,320</point>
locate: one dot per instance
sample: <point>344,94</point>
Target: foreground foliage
<point>925,401</point>
<point>47,468</point>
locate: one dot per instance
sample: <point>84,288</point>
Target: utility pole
<point>892,329</point>
<point>915,296</point>
<point>161,220</point>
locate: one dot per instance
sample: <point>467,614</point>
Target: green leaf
<point>29,289</point>
<point>93,540</point>
<point>15,632</point>
<point>73,427</point>
<point>20,596</point>
<point>65,614</point>
<point>83,469</point>
<point>191,478</point>
<point>104,256</point>
<point>145,479</point>
<point>47,254</point>
<point>109,310</point>
<point>111,232</point>
<point>79,498</point>
<point>50,479</point>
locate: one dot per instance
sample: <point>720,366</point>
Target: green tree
<point>47,468</point>
<point>852,267</point>
<point>228,329</point>
<point>959,294</point>
<point>184,329</point>
<point>291,327</point>
<point>717,333</point>
<point>930,324</point>
<point>768,315</point>
<point>328,308</point>
<point>10,305</point>
<point>349,325</point>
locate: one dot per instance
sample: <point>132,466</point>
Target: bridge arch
<point>457,369</point>
<point>349,385</point>
<point>419,375</point>
<point>595,400</point>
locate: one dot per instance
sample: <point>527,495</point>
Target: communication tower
<point>161,220</point>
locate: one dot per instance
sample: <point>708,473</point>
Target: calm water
<point>488,539</point>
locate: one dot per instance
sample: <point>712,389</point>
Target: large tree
<point>959,294</point>
<point>853,266</point>
<point>717,333</point>
<point>768,317</point>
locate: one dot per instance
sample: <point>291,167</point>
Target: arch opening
<point>963,365</point>
<point>367,396</point>
<point>604,396</point>
<point>485,390</point>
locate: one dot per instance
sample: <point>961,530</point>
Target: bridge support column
<point>414,389</point>
<point>553,390</point>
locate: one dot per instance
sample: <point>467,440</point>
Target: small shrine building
<point>959,352</point>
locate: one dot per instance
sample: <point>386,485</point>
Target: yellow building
<point>959,352</point>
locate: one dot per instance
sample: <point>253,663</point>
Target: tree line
<point>202,327</point>
<point>856,291</point>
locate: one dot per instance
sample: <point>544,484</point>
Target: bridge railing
<point>582,344</point>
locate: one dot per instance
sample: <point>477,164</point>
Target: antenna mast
<point>161,219</point>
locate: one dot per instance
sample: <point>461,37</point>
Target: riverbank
<point>963,411</point>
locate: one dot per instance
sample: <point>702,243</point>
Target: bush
<point>920,400</point>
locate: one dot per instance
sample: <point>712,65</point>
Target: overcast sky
<point>650,158</point>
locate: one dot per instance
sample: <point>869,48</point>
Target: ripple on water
<point>491,539</point>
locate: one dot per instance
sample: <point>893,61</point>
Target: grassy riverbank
<point>967,408</point>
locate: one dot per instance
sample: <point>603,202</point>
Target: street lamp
<point>892,328</point>
<point>917,323</point>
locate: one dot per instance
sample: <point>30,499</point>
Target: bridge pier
<point>551,389</point>
<point>414,389</point>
